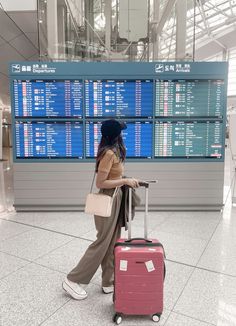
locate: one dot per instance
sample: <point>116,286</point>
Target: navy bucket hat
<point>112,128</point>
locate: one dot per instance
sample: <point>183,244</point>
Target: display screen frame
<point>120,71</point>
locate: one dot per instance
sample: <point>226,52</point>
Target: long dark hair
<point>115,144</point>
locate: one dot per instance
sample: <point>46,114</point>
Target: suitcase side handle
<point>133,239</point>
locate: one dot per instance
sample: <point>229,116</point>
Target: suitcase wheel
<point>117,319</point>
<point>156,317</point>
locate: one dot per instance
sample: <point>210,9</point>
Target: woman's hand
<point>131,182</point>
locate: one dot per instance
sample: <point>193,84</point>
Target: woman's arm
<point>103,183</point>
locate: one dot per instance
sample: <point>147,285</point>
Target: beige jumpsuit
<point>100,252</point>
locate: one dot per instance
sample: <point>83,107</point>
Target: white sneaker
<point>108,289</point>
<point>74,289</point>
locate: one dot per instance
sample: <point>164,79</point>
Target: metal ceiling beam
<point>217,9</point>
<point>201,9</point>
<point>205,11</point>
<point>189,41</point>
<point>165,15</point>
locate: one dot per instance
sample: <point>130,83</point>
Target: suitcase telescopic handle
<point>133,239</point>
<point>144,184</point>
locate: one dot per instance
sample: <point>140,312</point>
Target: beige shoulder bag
<point>99,204</point>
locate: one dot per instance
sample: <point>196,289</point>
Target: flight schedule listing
<point>137,139</point>
<point>195,98</point>
<point>122,98</point>
<point>48,98</point>
<point>186,139</point>
<point>49,140</point>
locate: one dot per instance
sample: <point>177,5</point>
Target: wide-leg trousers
<point>100,252</point>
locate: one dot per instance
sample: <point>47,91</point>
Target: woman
<point>109,168</point>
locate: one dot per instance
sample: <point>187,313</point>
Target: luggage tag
<point>149,265</point>
<point>123,265</point>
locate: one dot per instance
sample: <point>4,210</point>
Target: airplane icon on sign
<point>15,68</point>
<point>159,67</point>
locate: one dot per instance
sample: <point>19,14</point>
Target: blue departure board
<point>173,110</point>
<point>119,98</point>
<point>48,98</point>
<point>49,139</point>
<point>188,139</point>
<point>191,98</point>
<point>134,137</point>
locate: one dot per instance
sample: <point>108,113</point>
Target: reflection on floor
<point>38,249</point>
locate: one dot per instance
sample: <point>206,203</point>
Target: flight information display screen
<point>195,98</point>
<point>188,139</point>
<point>49,140</point>
<point>48,98</point>
<point>121,98</point>
<point>173,110</point>
<point>135,138</point>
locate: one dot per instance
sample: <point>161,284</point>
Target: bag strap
<point>115,192</point>
<point>91,188</point>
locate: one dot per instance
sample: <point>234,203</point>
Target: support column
<point>156,14</point>
<point>89,24</point>
<point>108,13</point>
<point>225,55</point>
<point>61,30</point>
<point>181,26</point>
<point>52,30</point>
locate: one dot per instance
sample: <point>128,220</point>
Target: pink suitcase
<point>139,274</point>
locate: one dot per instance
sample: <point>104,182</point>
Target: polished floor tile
<point>65,257</point>
<point>136,231</point>
<point>91,235</point>
<point>72,223</point>
<point>30,295</point>
<point>181,320</point>
<point>33,218</point>
<point>180,248</point>
<point>10,229</point>
<point>33,244</point>
<point>9,264</point>
<point>211,297</point>
<point>225,232</point>
<point>154,219</point>
<point>192,225</point>
<point>220,256</point>
<point>177,276</point>
<point>79,313</point>
<point>197,215</point>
